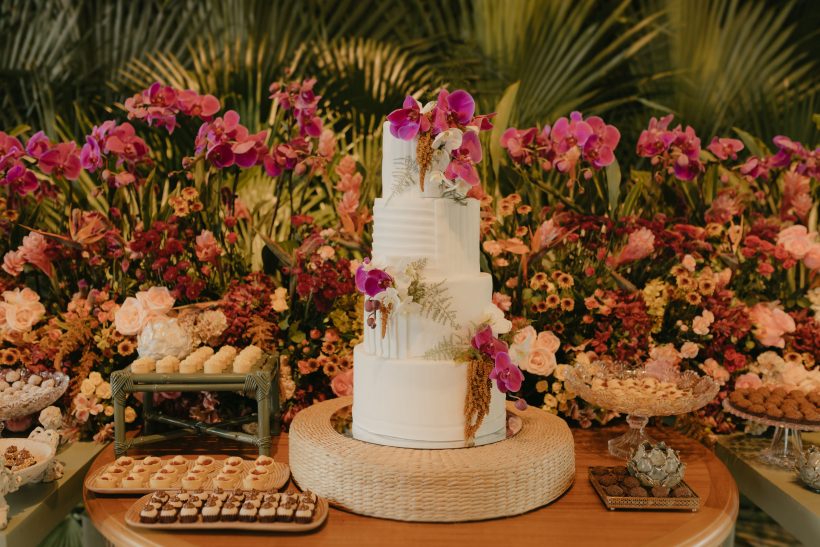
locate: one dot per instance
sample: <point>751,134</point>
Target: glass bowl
<point>639,395</point>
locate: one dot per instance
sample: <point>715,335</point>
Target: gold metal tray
<point>651,503</point>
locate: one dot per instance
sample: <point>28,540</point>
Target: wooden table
<point>777,491</point>
<point>37,508</point>
<point>577,518</point>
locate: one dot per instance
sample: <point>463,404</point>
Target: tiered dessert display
<point>789,411</point>
<point>639,394</point>
<point>433,369</point>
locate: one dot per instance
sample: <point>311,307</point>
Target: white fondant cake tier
<point>416,403</point>
<point>412,335</point>
<point>441,231</point>
<point>400,171</point>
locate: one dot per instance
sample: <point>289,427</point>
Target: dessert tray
<point>204,472</point>
<point>26,458</point>
<point>639,395</point>
<point>318,514</point>
<point>618,481</point>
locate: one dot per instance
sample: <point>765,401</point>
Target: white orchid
<point>448,140</point>
<point>494,317</point>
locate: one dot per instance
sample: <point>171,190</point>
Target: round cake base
<point>506,478</point>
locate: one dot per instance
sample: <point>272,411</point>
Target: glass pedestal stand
<point>17,404</point>
<point>623,446</point>
<point>785,449</point>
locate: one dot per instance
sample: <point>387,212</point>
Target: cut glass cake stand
<point>22,402</point>
<point>786,446</point>
<point>638,395</point>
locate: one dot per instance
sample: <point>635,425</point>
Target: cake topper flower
<point>448,147</point>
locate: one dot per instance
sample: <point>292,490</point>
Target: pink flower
<point>123,142</point>
<point>406,122</point>
<point>193,104</point>
<point>485,341</point>
<point>372,281</point>
<point>37,145</point>
<point>62,161</point>
<point>640,244</point>
<point>207,248</point>
<point>506,375</point>
<point>796,195</point>
<point>599,147</point>
<point>678,149</point>
<point>770,324</point>
<point>156,300</point>
<point>503,301</point>
<point>796,240</point>
<point>19,179</point>
<point>454,109</point>
<point>750,380</point>
<point>717,372</point>
<point>342,384</point>
<point>655,139</point>
<point>548,234</point>
<point>131,317</point>
<point>157,104</point>
<point>327,143</point>
<point>462,164</point>
<point>724,207</point>
<point>724,148</point>
<point>701,323</point>
<point>812,258</point>
<point>517,143</point>
<point>13,263</point>
<point>35,251</point>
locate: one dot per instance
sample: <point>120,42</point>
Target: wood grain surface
<point>577,518</point>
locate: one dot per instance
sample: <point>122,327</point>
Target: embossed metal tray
<point>651,503</point>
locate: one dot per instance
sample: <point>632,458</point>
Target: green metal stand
<point>261,383</point>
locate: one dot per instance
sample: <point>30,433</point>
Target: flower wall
<point>698,257</point>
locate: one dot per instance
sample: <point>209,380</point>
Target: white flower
<point>494,317</point>
<point>448,140</point>
<point>401,301</point>
<point>522,345</point>
<point>162,338</point>
<point>427,108</point>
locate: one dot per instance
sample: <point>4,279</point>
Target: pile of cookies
<point>17,459</point>
<point>617,482</point>
<point>779,404</point>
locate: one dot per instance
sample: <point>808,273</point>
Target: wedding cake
<point>420,377</point>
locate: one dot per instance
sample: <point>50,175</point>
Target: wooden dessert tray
<point>650,503</point>
<point>279,478</point>
<point>132,517</point>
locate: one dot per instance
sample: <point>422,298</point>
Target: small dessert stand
<point>432,485</point>
<point>24,403</point>
<point>261,382</point>
<point>786,445</point>
<point>638,404</point>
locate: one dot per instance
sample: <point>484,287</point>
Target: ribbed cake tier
<point>416,403</point>
<point>441,231</point>
<point>462,302</point>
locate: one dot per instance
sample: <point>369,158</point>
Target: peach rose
<point>21,309</point>
<point>689,350</point>
<point>796,240</point>
<point>548,341</point>
<point>130,317</point>
<point>156,300</point>
<point>701,323</point>
<point>540,362</point>
<point>279,299</point>
<point>748,380</point>
<point>342,383</point>
<point>770,324</point>
<point>522,344</point>
<point>13,263</point>
<point>713,369</point>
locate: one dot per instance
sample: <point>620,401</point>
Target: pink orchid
<point>598,149</point>
<point>37,145</point>
<point>157,104</point>
<point>567,134</point>
<point>284,157</point>
<point>507,376</point>
<point>724,148</point>
<point>90,156</point>
<point>21,180</point>
<point>406,122</point>
<point>486,342</point>
<point>123,142</point>
<point>454,109</point>
<point>656,138</point>
<point>250,150</point>
<point>462,164</point>
<point>517,143</point>
<point>193,104</point>
<point>10,149</point>
<point>62,161</point>
<point>372,281</point>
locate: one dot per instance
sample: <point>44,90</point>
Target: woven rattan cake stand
<point>510,477</point>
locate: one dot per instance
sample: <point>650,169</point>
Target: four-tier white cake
<point>406,394</point>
